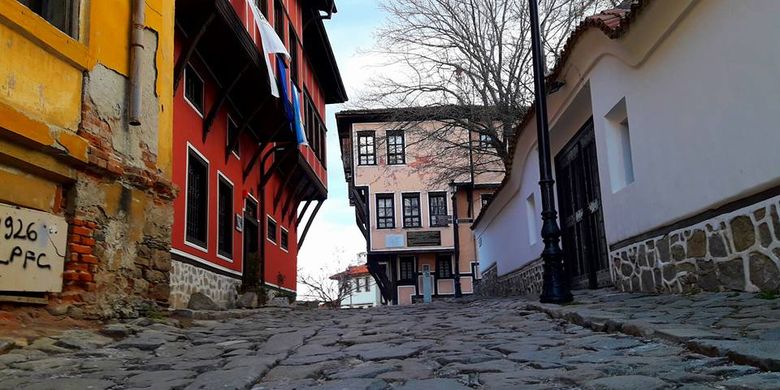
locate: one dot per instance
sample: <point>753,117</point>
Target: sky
<point>333,241</point>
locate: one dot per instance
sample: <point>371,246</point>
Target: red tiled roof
<point>614,24</point>
<point>353,270</point>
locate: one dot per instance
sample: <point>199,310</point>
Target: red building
<point>248,180</point>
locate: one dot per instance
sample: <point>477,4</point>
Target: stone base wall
<point>187,279</point>
<point>737,251</point>
<point>526,280</point>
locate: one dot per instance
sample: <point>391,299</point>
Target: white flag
<point>272,44</point>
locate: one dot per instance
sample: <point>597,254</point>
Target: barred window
<point>385,211</point>
<point>366,148</point>
<point>225,218</point>
<point>193,89</point>
<point>271,233</point>
<point>284,240</point>
<point>232,132</point>
<point>396,149</point>
<point>412,210</point>
<point>197,199</point>
<point>437,206</point>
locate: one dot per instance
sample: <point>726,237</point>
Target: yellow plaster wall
<point>37,83</point>
<point>27,190</point>
<point>41,67</point>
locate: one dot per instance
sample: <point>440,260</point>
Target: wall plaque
<point>32,250</point>
<point>394,241</point>
<point>425,238</point>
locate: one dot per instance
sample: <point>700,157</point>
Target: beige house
<point>405,209</point>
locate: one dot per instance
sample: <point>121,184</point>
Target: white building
<point>665,141</point>
<point>361,287</point>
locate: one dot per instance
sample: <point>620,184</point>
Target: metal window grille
<point>197,199</point>
<point>271,230</point>
<point>193,88</point>
<point>225,221</point>
<point>284,240</point>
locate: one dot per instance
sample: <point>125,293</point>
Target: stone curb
<point>762,354</point>
<point>226,314</point>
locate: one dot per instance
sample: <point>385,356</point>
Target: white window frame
<point>227,138</point>
<point>232,216</point>
<point>269,218</point>
<point>283,229</point>
<point>187,201</point>
<point>187,68</point>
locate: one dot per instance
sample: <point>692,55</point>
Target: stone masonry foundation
<point>526,280</point>
<point>734,251</point>
<point>187,279</point>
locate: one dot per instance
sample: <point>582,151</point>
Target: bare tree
<point>468,63</point>
<point>322,288</point>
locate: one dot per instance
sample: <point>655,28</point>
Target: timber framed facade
<point>244,158</point>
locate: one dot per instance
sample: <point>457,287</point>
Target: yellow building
<point>85,156</point>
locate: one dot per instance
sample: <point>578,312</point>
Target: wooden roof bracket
<point>184,58</point>
<point>308,223</point>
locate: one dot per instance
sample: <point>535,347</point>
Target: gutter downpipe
<point>136,49</point>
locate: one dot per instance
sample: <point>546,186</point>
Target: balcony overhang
<point>213,33</point>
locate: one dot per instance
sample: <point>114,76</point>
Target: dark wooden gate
<point>582,222</point>
<point>251,244</point>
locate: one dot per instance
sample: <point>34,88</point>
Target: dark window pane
<point>396,153</point>
<point>284,239</point>
<point>293,57</point>
<point>406,265</point>
<point>271,230</point>
<point>444,267</point>
<point>279,23</point>
<point>225,219</point>
<point>62,14</point>
<point>385,211</point>
<point>437,205</point>
<point>231,134</point>
<point>411,203</point>
<point>197,199</point>
<point>368,283</point>
<point>193,89</point>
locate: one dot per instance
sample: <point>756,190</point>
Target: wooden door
<point>582,222</point>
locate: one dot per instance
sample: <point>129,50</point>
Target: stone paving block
<point>432,384</point>
<point>762,381</point>
<point>627,382</point>
<point>71,384</point>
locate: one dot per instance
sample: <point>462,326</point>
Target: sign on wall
<point>394,241</point>
<point>424,238</point>
<point>32,250</point>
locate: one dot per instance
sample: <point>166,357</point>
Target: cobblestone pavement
<point>484,344</point>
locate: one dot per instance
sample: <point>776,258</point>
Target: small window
<point>197,199</point>
<point>485,199</point>
<point>271,234</point>
<point>366,148</point>
<point>357,284</point>
<point>385,211</point>
<point>232,133</point>
<point>406,269</point>
<point>411,204</point>
<point>619,156</point>
<point>443,267</point>
<point>293,57</point>
<point>484,141</point>
<point>284,240</point>
<point>279,24</point>
<point>531,216</point>
<point>225,218</point>
<point>396,153</point>
<point>62,14</point>
<point>437,206</point>
<point>193,89</point>
<point>368,283</point>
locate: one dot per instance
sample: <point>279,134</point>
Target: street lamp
<point>555,286</point>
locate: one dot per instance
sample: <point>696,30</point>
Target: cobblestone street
<point>493,344</point>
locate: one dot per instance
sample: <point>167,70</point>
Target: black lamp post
<point>555,287</point>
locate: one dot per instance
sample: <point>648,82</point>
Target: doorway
<point>582,221</point>
<point>251,244</point>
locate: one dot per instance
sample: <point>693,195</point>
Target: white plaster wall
<point>363,297</point>
<point>702,115</point>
